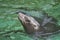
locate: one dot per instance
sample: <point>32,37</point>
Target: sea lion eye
<point>26,19</point>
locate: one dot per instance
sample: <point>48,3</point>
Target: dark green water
<point>9,18</point>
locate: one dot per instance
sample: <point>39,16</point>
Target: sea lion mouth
<point>21,16</point>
